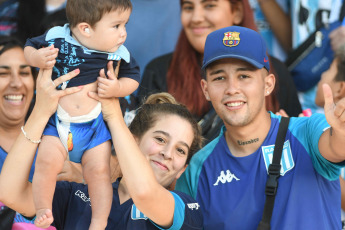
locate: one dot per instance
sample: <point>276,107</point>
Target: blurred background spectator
<point>30,18</point>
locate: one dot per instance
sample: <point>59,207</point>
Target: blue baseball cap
<point>236,42</point>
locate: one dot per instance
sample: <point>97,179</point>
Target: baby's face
<point>326,77</point>
<point>110,32</point>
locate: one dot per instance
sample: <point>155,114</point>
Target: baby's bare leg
<point>96,171</point>
<point>50,159</point>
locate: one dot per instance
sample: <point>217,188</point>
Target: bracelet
<point>26,136</point>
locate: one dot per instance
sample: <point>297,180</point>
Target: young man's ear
<point>85,29</point>
<point>270,82</point>
<point>203,84</point>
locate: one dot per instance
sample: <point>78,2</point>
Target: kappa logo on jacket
<point>193,206</point>
<point>225,178</point>
<point>83,196</point>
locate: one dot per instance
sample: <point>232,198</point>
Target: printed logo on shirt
<point>225,178</point>
<point>287,163</point>
<point>136,214</point>
<point>83,196</point>
<point>193,206</point>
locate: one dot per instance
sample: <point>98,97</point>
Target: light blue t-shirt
<point>273,46</point>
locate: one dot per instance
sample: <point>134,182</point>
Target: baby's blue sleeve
<point>37,42</point>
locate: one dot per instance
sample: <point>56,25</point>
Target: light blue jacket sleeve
<point>309,131</point>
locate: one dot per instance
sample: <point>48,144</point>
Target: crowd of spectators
<point>167,40</point>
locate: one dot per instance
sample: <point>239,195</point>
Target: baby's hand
<point>107,88</point>
<point>44,58</point>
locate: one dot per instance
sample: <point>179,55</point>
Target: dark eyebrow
<point>8,67</point>
<point>185,2</point>
<point>168,135</point>
<point>5,67</point>
<point>202,1</point>
<point>247,68</point>
<point>217,71</point>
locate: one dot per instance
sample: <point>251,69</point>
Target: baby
<point>94,36</point>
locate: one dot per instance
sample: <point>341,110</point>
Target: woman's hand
<point>47,96</point>
<point>110,106</point>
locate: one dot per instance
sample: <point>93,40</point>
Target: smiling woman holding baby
<point>152,154</point>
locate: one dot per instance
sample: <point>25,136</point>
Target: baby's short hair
<point>91,11</point>
<point>340,56</point>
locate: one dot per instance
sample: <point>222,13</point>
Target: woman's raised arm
<point>15,189</point>
<point>152,199</point>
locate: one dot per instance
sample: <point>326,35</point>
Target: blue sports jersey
<point>72,210</point>
<point>231,190</point>
<point>18,217</point>
<point>3,155</point>
<point>73,55</point>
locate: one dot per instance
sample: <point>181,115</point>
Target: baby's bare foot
<point>44,218</point>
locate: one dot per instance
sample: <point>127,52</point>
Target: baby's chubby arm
<point>43,58</point>
<point>114,87</point>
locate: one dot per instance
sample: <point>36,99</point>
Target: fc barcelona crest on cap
<point>231,39</point>
<point>225,43</point>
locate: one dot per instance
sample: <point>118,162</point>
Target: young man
<point>228,176</point>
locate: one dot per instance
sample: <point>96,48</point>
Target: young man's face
<point>237,90</point>
<point>110,32</point>
<point>326,77</point>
